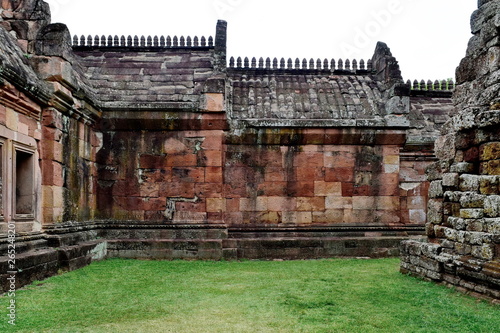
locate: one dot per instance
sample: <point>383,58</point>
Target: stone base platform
<point>474,276</point>
<point>71,246</point>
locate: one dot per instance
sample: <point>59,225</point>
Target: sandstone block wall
<point>325,177</point>
<point>69,173</point>
<point>48,144</point>
<point>174,177</point>
<point>24,19</point>
<point>70,139</point>
<point>463,210</point>
<point>127,79</point>
<point>159,149</point>
<point>20,132</point>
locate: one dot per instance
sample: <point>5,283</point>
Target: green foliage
<point>249,296</point>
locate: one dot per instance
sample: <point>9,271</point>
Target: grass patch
<point>250,296</point>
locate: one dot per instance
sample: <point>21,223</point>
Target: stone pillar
<point>463,223</point>
<point>220,46</point>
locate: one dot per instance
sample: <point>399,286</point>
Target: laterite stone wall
<point>463,220</point>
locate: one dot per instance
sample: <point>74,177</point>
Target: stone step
<point>169,249</point>
<point>39,264</point>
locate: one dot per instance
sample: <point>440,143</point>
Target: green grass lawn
<point>250,296</point>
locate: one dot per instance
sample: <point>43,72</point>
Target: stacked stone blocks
<point>313,184</point>
<point>463,221</point>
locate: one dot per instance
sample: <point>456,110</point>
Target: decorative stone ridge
<point>340,66</point>
<point>430,86</point>
<point>325,94</point>
<point>463,220</point>
<point>141,42</point>
<point>154,73</point>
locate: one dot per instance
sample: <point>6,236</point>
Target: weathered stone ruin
<point>161,147</point>
<point>463,224</point>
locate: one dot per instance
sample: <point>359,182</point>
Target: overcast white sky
<point>428,37</point>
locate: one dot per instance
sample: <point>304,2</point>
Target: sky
<point>427,37</point>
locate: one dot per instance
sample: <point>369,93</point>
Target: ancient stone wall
<point>174,177</point>
<point>151,147</point>
<point>130,79</point>
<point>48,142</point>
<point>161,157</point>
<point>22,98</point>
<point>429,111</point>
<point>314,176</point>
<point>231,150</point>
<point>463,212</point>
<point>23,19</point>
<point>70,139</point>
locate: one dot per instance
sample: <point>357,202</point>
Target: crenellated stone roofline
<point>436,88</point>
<point>289,66</point>
<point>300,66</point>
<point>153,43</point>
<point>442,88</point>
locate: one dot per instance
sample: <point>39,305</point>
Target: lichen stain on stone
<point>495,106</point>
<point>170,207</point>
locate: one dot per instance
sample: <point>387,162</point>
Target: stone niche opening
<point>24,183</point>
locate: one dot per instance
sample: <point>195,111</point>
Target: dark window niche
<point>24,184</point>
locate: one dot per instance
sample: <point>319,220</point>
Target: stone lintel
<point>318,136</point>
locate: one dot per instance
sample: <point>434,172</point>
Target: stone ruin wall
<point>153,148</point>
<point>48,142</point>
<point>463,224</point>
<point>209,157</point>
<point>200,138</point>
